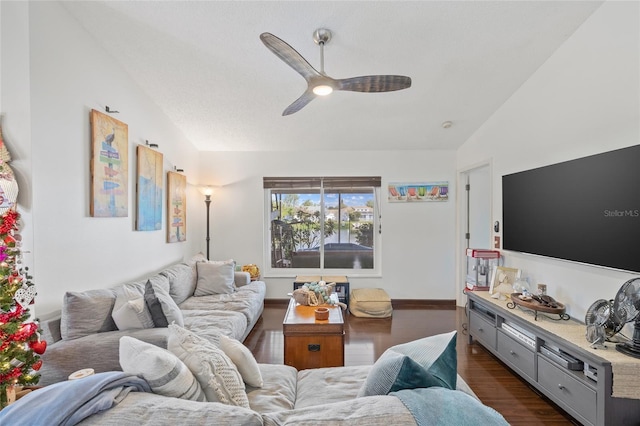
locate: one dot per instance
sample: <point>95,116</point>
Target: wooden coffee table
<point>309,343</point>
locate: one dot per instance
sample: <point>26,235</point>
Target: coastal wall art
<point>418,192</point>
<point>149,189</point>
<point>109,164</point>
<point>176,207</point>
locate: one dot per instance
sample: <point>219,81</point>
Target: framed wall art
<point>149,189</point>
<point>109,166</point>
<point>418,192</point>
<point>176,207</point>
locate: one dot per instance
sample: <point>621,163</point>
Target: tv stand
<point>555,358</point>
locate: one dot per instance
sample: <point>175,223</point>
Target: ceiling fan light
<point>322,90</point>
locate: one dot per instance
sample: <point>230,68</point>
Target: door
<point>475,225</point>
<point>478,194</point>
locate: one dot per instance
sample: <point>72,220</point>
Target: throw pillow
<point>169,307</point>
<point>130,310</point>
<point>435,353</point>
<point>423,363</point>
<point>88,312</point>
<point>242,357</point>
<point>182,281</point>
<point>215,278</point>
<point>154,305</point>
<point>393,372</point>
<point>164,372</point>
<point>216,373</point>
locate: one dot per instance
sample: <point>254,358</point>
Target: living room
<point>582,100</point>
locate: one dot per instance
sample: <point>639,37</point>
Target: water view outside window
<point>322,228</point>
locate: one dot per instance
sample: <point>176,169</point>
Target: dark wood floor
<point>366,339</point>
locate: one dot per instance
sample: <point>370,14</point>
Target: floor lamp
<point>207,191</point>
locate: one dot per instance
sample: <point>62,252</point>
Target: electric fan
<point>600,323</point>
<point>626,308</point>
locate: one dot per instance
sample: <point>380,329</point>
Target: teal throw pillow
<point>422,363</point>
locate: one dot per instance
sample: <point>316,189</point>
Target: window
<point>323,225</point>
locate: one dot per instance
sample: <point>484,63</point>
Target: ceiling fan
<point>319,83</point>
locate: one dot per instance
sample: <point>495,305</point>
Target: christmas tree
<point>21,344</point>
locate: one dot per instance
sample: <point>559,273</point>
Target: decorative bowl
<point>322,314</point>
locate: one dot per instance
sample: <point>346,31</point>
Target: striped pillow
<point>164,372</point>
<point>218,376</point>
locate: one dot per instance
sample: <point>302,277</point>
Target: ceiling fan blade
<point>374,83</point>
<point>300,103</point>
<point>289,55</point>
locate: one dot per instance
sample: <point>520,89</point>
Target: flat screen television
<point>585,210</point>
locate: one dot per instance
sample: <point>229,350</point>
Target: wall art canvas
<point>176,207</point>
<point>418,192</point>
<point>109,166</point>
<point>149,189</point>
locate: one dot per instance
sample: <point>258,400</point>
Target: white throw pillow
<point>130,310</point>
<point>215,278</point>
<point>216,373</point>
<point>164,372</point>
<point>243,359</point>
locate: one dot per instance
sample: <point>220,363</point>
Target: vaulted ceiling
<point>203,64</point>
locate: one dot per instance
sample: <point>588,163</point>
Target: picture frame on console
<point>502,280</point>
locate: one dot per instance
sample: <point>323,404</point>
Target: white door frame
<point>461,225</point>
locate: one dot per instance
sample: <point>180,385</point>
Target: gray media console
<point>579,381</point>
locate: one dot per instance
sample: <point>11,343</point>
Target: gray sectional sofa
<point>326,396</point>
<point>85,335</point>
<point>411,384</point>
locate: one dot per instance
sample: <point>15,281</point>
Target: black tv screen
<point>585,210</point>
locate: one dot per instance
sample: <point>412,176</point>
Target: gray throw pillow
<point>182,281</point>
<point>216,277</point>
<point>169,307</point>
<point>154,305</point>
<point>88,312</point>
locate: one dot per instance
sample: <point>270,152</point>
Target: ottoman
<point>370,303</point>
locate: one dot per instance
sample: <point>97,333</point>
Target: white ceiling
<point>203,64</point>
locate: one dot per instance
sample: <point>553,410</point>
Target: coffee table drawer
<point>314,351</point>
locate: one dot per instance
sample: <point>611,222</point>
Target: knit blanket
<point>68,403</point>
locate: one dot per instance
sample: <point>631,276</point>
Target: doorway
<point>475,216</point>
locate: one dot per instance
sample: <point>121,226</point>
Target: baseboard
<point>396,303</point>
<point>424,303</point>
<point>276,302</point>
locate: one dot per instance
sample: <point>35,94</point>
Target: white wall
<point>14,106</point>
<point>583,100</point>
<point>61,74</point>
<point>418,239</point>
